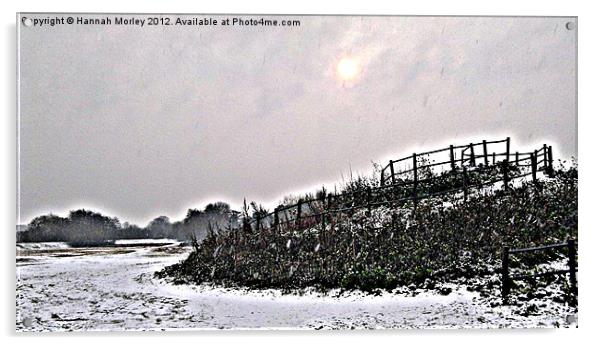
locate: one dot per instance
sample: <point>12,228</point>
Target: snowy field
<point>73,289</point>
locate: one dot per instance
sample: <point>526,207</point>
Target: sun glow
<point>347,68</point>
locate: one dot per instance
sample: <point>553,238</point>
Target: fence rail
<point>463,173</point>
<point>468,155</point>
<point>572,270</point>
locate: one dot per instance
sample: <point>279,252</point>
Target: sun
<point>347,68</point>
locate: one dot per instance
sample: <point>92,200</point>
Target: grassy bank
<point>440,238</point>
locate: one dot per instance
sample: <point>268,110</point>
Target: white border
<point>589,106</point>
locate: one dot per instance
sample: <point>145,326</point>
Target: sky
<point>139,122</point>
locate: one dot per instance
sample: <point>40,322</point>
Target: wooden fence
<point>468,155</point>
<point>401,186</point>
<point>572,270</point>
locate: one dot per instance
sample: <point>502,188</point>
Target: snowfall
<point>113,289</point>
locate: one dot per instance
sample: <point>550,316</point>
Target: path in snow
<point>113,289</point>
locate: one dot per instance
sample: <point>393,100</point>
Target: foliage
<point>87,228</point>
<point>395,244</point>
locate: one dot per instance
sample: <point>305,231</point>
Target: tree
<point>159,227</point>
<point>46,228</point>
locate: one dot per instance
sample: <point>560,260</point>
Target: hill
<point>383,233</point>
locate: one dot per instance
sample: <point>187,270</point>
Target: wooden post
<point>298,219</point>
<point>505,275</point>
<point>276,219</point>
<point>550,161</point>
<point>545,156</point>
<point>451,156</point>
<point>494,158</point>
<point>505,172</point>
<point>465,183</point>
<point>415,168</point>
<point>485,152</point>
<point>369,203</point>
<point>572,266</point>
<point>393,222</point>
<point>392,172</point>
<point>382,177</point>
<point>472,159</point>
<point>534,165</point>
<point>508,149</point>
<point>516,158</point>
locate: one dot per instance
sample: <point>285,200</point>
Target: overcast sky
<point>145,121</point>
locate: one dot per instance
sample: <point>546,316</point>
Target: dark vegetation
<point>391,243</point>
<point>88,228</point>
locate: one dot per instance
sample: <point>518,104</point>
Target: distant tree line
<point>85,227</point>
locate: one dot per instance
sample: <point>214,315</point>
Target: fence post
<point>534,166</point>
<point>550,161</point>
<point>393,220</point>
<point>382,177</point>
<point>298,220</point>
<point>415,168</point>
<point>494,158</point>
<point>465,182</point>
<point>572,266</point>
<point>485,152</point>
<point>505,172</point>
<point>452,159</point>
<point>276,219</point>
<point>369,201</point>
<point>472,159</point>
<point>545,156</point>
<point>508,149</point>
<point>505,275</point>
<point>392,172</point>
<point>516,158</point>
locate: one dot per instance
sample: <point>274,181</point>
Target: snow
<point>114,289</point>
<point>146,241</point>
<point>42,246</point>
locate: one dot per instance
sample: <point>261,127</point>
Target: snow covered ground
<point>42,245</point>
<point>150,241</point>
<point>66,289</point>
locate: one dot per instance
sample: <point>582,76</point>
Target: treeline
<point>85,227</point>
